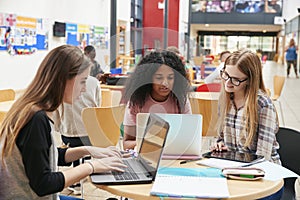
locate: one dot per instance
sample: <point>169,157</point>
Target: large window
<point>216,44</point>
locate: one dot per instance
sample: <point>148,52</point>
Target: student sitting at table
<point>158,85</point>
<point>248,118</point>
<point>28,157</point>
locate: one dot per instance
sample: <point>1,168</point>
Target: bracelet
<point>91,166</point>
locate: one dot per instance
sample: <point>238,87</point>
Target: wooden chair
<point>110,97</point>
<point>103,124</point>
<point>209,111</point>
<point>209,87</point>
<point>278,83</point>
<point>2,115</point>
<point>198,60</point>
<point>289,140</point>
<point>7,95</point>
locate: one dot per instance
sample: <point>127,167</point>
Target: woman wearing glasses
<point>248,119</point>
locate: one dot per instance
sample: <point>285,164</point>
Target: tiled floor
<point>291,112</point>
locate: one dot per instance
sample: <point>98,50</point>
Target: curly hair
<point>139,85</point>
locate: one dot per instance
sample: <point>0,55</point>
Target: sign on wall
<point>21,35</point>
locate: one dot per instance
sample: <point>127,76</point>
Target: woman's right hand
<point>219,146</point>
<point>108,164</point>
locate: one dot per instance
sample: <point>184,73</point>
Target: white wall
<point>290,9</point>
<point>16,72</point>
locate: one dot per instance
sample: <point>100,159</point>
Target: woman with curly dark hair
<point>158,85</point>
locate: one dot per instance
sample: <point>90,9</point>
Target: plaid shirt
<point>264,141</point>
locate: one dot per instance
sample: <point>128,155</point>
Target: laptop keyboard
<point>128,174</point>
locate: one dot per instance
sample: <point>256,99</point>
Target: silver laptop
<point>184,137</point>
<point>143,168</point>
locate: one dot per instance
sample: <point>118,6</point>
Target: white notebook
<point>190,186</point>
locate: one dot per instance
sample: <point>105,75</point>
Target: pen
<point>187,161</point>
<point>253,163</point>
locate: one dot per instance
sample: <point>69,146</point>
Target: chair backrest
<point>198,60</point>
<point>2,115</point>
<point>278,82</point>
<point>110,97</point>
<point>289,141</point>
<point>209,111</point>
<point>7,95</point>
<point>209,87</point>
<point>103,124</point>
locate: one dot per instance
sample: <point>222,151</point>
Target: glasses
<point>234,81</point>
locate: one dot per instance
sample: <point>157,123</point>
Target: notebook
<point>143,168</point>
<point>184,137</point>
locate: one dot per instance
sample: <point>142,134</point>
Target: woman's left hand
<point>98,152</point>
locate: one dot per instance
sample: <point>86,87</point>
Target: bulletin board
<point>21,35</point>
<point>82,35</point>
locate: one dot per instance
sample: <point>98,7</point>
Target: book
<point>190,187</point>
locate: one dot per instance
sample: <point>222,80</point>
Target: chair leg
<point>282,118</point>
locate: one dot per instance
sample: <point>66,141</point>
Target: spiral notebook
<point>190,187</point>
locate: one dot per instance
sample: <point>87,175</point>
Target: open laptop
<point>184,137</point>
<point>143,168</point>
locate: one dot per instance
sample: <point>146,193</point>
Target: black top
<point>34,142</point>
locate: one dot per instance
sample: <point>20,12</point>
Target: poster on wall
<point>99,37</point>
<point>22,35</point>
<point>71,33</point>
<point>83,35</point>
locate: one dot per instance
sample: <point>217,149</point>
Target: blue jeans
<point>62,197</point>
<point>275,196</point>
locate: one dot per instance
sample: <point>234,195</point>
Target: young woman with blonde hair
<point>28,158</point>
<point>248,118</point>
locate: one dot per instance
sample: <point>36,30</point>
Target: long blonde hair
<point>250,65</point>
<point>45,92</point>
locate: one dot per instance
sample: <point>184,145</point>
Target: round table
<point>238,190</point>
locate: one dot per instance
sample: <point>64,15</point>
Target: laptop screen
<point>153,142</point>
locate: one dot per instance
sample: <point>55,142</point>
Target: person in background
<point>273,7</point>
<point>28,157</point>
<point>96,70</point>
<point>216,73</point>
<point>70,124</point>
<point>247,116</point>
<point>158,85</point>
<point>291,57</point>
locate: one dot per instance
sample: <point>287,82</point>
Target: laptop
<point>143,168</point>
<point>184,137</point>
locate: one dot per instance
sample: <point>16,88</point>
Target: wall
<point>290,9</point>
<point>16,72</point>
<point>153,19</point>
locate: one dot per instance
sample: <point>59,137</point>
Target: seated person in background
<point>96,70</point>
<point>158,85</point>
<point>216,73</point>
<point>248,120</point>
<point>70,124</point>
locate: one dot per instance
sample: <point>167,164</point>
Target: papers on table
<point>190,186</point>
<point>219,163</point>
<point>190,182</point>
<point>273,171</point>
